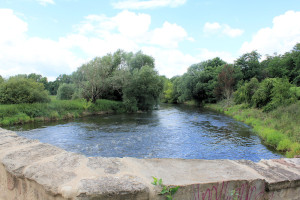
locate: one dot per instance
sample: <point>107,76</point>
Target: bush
<point>65,91</point>
<point>280,95</point>
<point>20,90</point>
<point>246,91</point>
<point>262,96</point>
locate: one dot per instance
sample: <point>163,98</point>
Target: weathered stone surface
<point>109,165</point>
<point>17,160</point>
<point>125,187</point>
<point>32,170</point>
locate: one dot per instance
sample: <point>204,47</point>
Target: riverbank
<point>279,128</point>
<point>56,110</point>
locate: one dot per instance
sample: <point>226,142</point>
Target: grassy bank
<point>55,110</point>
<point>279,128</point>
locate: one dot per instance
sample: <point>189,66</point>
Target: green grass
<point>279,128</point>
<point>55,110</point>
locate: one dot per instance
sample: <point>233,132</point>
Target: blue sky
<point>52,37</point>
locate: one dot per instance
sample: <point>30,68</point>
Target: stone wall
<point>36,171</point>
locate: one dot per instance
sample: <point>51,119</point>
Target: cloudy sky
<point>52,37</point>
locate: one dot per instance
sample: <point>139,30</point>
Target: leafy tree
<point>97,78</point>
<point>281,94</point>
<point>245,92</point>
<point>21,90</point>
<point>1,79</point>
<point>250,66</point>
<point>226,81</point>
<point>199,81</point>
<point>143,89</point>
<point>262,95</point>
<point>167,91</point>
<point>53,86</point>
<point>138,60</point>
<point>65,91</point>
<point>275,67</point>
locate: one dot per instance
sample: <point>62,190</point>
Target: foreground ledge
<point>33,170</point>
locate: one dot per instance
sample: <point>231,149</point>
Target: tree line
<point>121,76</point>
<point>132,78</point>
<point>263,84</point>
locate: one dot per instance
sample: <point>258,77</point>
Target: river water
<point>170,132</point>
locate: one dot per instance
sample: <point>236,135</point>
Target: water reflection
<point>171,132</point>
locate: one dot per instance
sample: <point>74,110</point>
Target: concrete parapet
<point>32,170</point>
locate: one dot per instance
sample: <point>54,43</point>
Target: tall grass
<point>55,110</point>
<point>279,128</point>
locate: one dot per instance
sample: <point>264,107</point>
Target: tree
<point>1,79</point>
<point>250,66</point>
<point>65,91</point>
<point>101,77</point>
<point>138,60</point>
<point>226,81</point>
<point>143,89</point>
<point>199,81</point>
<point>21,90</point>
<point>245,92</point>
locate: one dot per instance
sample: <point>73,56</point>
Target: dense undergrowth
<point>279,128</point>
<point>55,110</point>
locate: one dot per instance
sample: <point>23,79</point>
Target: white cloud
<point>224,29</point>
<point>170,62</point>
<point>169,35</point>
<point>97,35</point>
<point>12,27</point>
<point>145,4</point>
<point>45,2</point>
<point>280,38</point>
<point>23,54</point>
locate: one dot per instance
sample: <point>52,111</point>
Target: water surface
<point>170,132</point>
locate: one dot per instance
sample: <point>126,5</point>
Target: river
<point>171,132</point>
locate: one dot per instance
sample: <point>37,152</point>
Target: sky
<point>53,37</point>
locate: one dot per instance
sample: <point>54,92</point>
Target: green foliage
<point>281,95</point>
<point>20,90</point>
<point>168,90</point>
<point>225,83</point>
<point>246,91</point>
<point>165,190</point>
<point>296,91</point>
<point>143,89</point>
<point>199,82</point>
<point>138,60</point>
<point>55,110</point>
<point>278,128</point>
<point>262,96</point>
<point>249,65</point>
<point>269,94</point>
<point>65,91</point>
<point>1,80</point>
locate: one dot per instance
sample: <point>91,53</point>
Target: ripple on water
<point>171,132</point>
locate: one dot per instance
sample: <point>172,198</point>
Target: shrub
<point>20,90</point>
<point>246,91</point>
<point>65,91</point>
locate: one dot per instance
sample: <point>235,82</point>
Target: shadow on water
<point>171,132</point>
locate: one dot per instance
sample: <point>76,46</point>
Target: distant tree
<point>138,60</point>
<point>199,81</point>
<point>250,66</point>
<point>1,79</point>
<point>143,89</point>
<point>65,91</point>
<point>245,92</point>
<point>18,90</point>
<point>226,81</point>
<point>102,77</point>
